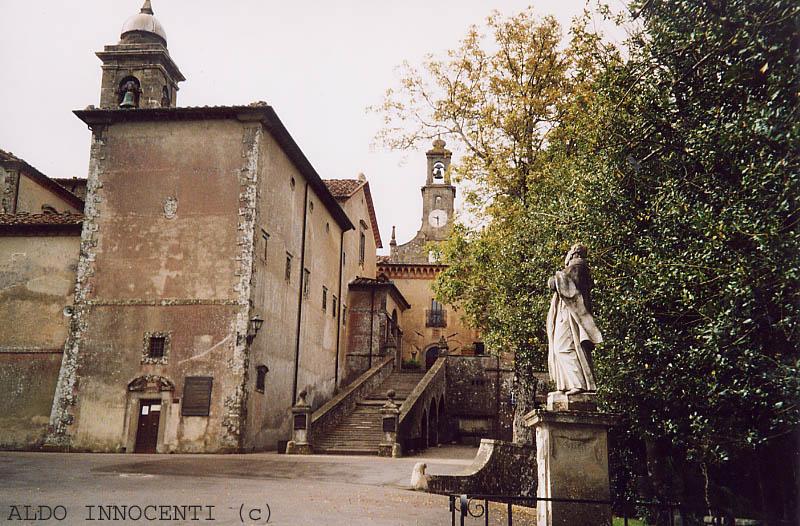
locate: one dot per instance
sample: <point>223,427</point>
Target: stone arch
<point>150,383</point>
<point>431,354</point>
<point>424,430</point>
<point>434,425</point>
<point>442,421</point>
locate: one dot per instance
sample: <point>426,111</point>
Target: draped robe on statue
<point>569,323</point>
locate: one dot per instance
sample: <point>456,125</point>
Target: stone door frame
<point>147,388</point>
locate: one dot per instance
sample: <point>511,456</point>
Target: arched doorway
<point>430,356</point>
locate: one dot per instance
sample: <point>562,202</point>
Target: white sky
<point>319,63</point>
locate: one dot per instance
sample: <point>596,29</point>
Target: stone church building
<point>204,276</point>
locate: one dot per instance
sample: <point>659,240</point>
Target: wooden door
<point>147,427</point>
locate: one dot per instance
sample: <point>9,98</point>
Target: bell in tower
<point>138,71</point>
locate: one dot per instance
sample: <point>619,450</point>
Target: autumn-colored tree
<point>678,166</point>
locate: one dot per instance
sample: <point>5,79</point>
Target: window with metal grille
<point>156,347</point>
<point>261,377</point>
<point>436,316</point>
<point>306,280</point>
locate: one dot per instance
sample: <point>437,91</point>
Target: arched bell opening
<point>129,92</point>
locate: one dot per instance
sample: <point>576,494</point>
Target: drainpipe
<point>300,296</point>
<point>339,311</point>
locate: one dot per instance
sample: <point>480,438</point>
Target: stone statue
<point>571,332</point>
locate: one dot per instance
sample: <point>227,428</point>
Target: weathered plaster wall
<point>32,196</point>
<point>37,280</point>
<point>358,212</point>
<point>416,336</point>
<point>27,383</point>
<point>161,252</point>
<point>280,215</point>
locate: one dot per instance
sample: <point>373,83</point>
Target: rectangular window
<point>344,313</point>
<point>306,280</point>
<point>265,243</point>
<point>334,306</point>
<point>362,248</point>
<point>157,346</point>
<point>288,271</point>
<point>324,299</point>
<point>196,396</point>
<point>261,377</point>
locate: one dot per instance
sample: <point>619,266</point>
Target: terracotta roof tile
<point>343,188</point>
<point>8,156</point>
<point>64,218</point>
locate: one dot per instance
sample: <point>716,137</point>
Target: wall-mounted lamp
<point>255,325</point>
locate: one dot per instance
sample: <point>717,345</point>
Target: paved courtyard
<point>231,489</point>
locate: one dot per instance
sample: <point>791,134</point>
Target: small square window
<point>288,271</point>
<point>324,299</point>
<point>156,347</point>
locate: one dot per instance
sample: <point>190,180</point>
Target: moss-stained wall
<point>162,252</point>
<point>37,279</point>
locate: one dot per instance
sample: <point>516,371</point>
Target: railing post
<point>390,414</point>
<point>301,421</point>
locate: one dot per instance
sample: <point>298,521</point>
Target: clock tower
<point>438,194</point>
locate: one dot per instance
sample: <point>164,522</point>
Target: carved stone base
<point>295,448</point>
<point>558,401</point>
<point>572,463</point>
<point>389,450</point>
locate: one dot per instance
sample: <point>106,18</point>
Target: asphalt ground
<point>263,488</point>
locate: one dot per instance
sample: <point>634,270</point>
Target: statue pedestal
<point>572,463</point>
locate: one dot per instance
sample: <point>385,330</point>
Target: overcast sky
<point>318,63</point>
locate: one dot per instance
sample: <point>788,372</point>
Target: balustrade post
<point>301,422</point>
<point>390,415</point>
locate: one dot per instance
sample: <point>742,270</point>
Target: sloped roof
<point>366,283</point>
<point>59,224</point>
<point>12,161</point>
<point>344,189</point>
<point>63,218</point>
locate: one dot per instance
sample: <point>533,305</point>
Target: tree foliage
<point>677,166</point>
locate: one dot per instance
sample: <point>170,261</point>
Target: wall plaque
<point>196,396</point>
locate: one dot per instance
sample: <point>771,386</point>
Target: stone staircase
<point>361,431</point>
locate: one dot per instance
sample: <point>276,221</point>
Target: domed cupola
<point>138,72</point>
<point>143,26</point>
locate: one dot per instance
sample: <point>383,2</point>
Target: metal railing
<point>477,506</point>
<point>435,318</point>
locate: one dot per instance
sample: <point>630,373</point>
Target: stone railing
<point>429,393</point>
<point>327,417</point>
<point>499,468</point>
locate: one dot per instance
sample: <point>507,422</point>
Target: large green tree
<point>678,166</point>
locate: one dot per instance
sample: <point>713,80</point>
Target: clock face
<point>437,218</point>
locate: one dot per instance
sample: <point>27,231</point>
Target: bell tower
<point>138,71</point>
<point>438,194</point>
